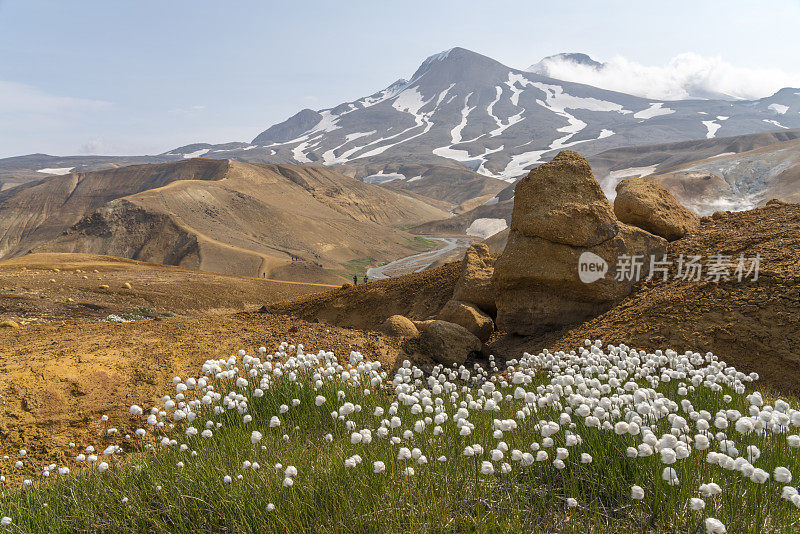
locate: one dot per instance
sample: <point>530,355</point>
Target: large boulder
<point>448,343</point>
<point>474,284</point>
<point>468,316</point>
<point>399,326</point>
<point>650,206</point>
<point>562,223</point>
<point>563,203</point>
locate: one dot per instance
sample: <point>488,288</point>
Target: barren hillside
<point>736,181</point>
<point>281,221</point>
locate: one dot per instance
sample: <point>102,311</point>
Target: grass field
<point>593,441</point>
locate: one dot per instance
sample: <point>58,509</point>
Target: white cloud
<point>192,110</point>
<point>94,146</point>
<point>687,75</point>
<point>20,98</point>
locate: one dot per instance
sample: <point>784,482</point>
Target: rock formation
<point>399,326</point>
<point>468,316</point>
<point>560,214</point>
<point>474,284</point>
<point>448,343</point>
<point>650,206</point>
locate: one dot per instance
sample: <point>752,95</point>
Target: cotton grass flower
<point>670,476</point>
<point>574,404</point>
<point>487,468</point>
<point>697,504</point>
<point>715,526</point>
<point>782,475</point>
<point>710,489</point>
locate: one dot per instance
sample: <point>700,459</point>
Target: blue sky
<point>142,76</point>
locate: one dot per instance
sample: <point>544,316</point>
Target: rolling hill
<point>278,221</point>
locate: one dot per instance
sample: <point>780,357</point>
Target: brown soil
<point>32,291</point>
<point>63,368</point>
<point>56,380</point>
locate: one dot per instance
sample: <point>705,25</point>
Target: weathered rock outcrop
<point>448,343</point>
<point>474,284</point>
<point>468,316</point>
<point>650,206</point>
<point>560,214</point>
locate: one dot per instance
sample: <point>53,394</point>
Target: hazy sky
<point>144,76</point>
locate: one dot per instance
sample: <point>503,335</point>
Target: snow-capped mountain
<point>496,120</point>
<point>460,106</point>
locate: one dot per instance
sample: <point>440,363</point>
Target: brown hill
<point>43,210</point>
<point>218,215</point>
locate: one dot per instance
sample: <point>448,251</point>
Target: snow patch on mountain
<point>656,109</point>
<point>196,153</point>
<point>712,128</point>
<point>609,183</point>
<point>60,171</point>
<point>776,123</point>
<point>382,178</point>
<point>778,108</point>
<point>486,227</point>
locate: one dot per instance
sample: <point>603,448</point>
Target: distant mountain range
<point>437,154</point>
<point>465,108</point>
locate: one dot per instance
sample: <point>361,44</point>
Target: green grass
<point>141,312</point>
<point>358,266</point>
<point>451,496</point>
<point>421,244</point>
